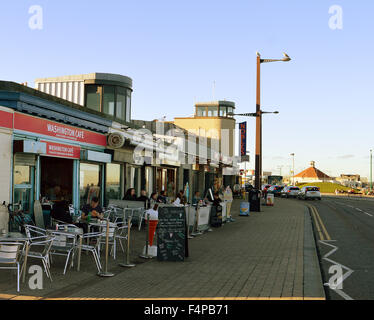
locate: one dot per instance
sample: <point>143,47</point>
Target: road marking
<point>317,225</point>
<point>345,276</point>
<point>315,211</point>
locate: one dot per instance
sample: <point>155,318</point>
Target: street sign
<point>245,158</point>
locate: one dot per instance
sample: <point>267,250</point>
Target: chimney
<point>313,164</point>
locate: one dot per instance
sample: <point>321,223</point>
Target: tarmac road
<point>344,231</point>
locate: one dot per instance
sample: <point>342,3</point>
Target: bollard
<point>188,224</point>
<point>106,273</point>
<point>146,255</point>
<point>127,263</point>
<point>195,232</point>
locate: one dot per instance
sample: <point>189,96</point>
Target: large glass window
<point>201,112</point>
<point>113,182</point>
<point>222,111</point>
<point>109,100</point>
<point>128,106</point>
<point>90,182</point>
<point>230,110</point>
<point>212,111</point>
<point>21,174</point>
<point>93,97</point>
<point>121,103</point>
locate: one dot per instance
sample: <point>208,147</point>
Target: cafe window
<point>113,182</point>
<point>90,182</point>
<point>21,174</point>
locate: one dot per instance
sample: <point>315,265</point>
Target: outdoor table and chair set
<point>67,240</point>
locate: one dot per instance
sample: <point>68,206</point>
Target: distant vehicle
<point>290,192</point>
<point>275,180</point>
<point>309,192</point>
<point>276,190</point>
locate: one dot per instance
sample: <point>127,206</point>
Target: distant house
<point>350,180</point>
<point>312,174</point>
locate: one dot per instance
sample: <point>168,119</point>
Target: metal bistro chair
<point>46,243</point>
<point>33,231</point>
<point>113,227</point>
<point>64,244</point>
<point>141,216</point>
<point>10,257</point>
<point>93,248</point>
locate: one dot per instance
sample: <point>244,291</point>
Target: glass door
<point>24,177</point>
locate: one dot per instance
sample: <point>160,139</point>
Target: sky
<point>175,50</point>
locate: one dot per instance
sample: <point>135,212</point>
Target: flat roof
<point>95,77</point>
<point>216,104</point>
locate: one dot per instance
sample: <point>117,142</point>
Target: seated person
<point>94,210</point>
<point>143,196</point>
<point>197,198</point>
<point>162,197</point>
<point>130,195</point>
<point>60,212</point>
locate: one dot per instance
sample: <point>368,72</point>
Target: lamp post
<point>258,158</point>
<point>371,170</point>
<point>293,168</point>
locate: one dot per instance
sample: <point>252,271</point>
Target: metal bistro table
<point>19,237</point>
<point>78,232</point>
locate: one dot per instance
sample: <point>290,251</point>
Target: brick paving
<point>257,256</point>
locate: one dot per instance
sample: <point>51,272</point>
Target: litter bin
<point>254,198</point>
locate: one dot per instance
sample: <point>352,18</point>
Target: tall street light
<point>371,170</point>
<point>293,168</point>
<point>258,158</point>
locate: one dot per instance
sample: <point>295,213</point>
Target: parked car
<point>276,190</point>
<point>290,192</point>
<point>309,192</point>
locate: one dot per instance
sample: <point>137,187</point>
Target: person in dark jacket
<point>143,196</point>
<point>130,195</point>
<point>162,197</point>
<point>217,200</point>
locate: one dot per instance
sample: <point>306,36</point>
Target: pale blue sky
<point>174,50</point>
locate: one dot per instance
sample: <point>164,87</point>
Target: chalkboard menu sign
<point>171,234</point>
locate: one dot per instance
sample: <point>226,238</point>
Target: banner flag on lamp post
<point>243,138</point>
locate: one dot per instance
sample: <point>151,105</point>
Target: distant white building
<point>312,174</point>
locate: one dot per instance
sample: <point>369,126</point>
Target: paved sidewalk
<point>261,256</point>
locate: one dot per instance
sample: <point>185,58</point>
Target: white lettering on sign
<point>67,132</point>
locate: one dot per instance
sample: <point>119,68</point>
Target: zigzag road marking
<point>345,276</point>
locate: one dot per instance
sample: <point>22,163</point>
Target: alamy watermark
<point>36,278</point>
<point>36,20</point>
<point>336,19</point>
<point>336,281</point>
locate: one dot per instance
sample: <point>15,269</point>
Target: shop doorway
<point>24,176</point>
<point>56,180</point>
<point>90,182</point>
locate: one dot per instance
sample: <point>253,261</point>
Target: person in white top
<point>228,197</point>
